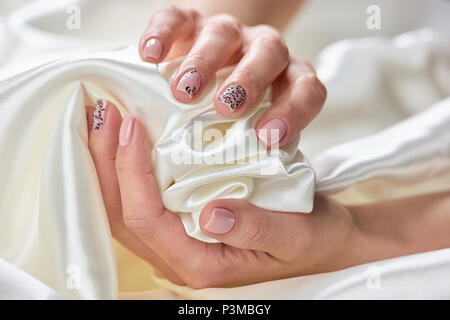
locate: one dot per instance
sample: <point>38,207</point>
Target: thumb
<point>242,225</point>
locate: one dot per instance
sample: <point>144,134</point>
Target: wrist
<point>368,243</point>
<point>403,226</point>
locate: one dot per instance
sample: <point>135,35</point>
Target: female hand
<point>257,244</point>
<point>262,61</point>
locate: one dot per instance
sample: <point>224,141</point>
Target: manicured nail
<point>98,119</point>
<point>233,97</point>
<point>152,48</point>
<point>189,83</point>
<point>272,132</point>
<point>126,130</point>
<point>221,221</point>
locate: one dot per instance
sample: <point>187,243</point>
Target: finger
<point>105,122</point>
<point>89,114</point>
<point>166,26</point>
<point>298,97</point>
<point>219,39</point>
<point>243,225</point>
<point>143,211</point>
<point>260,66</point>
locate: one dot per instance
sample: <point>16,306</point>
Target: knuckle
<point>137,225</point>
<point>194,14</point>
<point>321,90</point>
<point>255,233</point>
<point>295,108</point>
<point>318,89</point>
<point>199,60</point>
<point>224,24</point>
<point>305,79</point>
<point>267,29</point>
<point>275,44</point>
<point>102,151</point>
<point>172,10</point>
<point>307,65</point>
<point>228,20</point>
<point>127,168</point>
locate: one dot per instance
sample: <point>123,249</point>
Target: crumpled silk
<point>229,166</point>
<point>281,181</point>
<point>383,133</point>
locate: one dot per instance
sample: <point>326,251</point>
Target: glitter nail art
<point>233,96</point>
<point>99,115</point>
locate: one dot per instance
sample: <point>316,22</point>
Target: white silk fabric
<point>384,133</point>
<point>188,178</point>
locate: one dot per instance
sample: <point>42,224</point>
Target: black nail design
<point>99,115</point>
<point>233,96</point>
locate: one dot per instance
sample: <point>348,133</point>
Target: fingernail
<point>189,83</point>
<point>272,132</point>
<point>99,115</point>
<point>152,48</point>
<point>233,97</point>
<point>221,221</point>
<point>126,130</point>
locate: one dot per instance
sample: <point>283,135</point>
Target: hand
<point>262,61</point>
<point>257,245</point>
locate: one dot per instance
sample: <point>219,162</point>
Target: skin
<point>262,245</point>
<point>262,61</point>
<point>250,12</point>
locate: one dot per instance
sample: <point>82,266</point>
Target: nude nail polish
<point>221,221</point>
<point>190,83</point>
<point>233,97</point>
<point>272,132</point>
<point>152,49</point>
<point>98,118</point>
<point>126,130</point>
